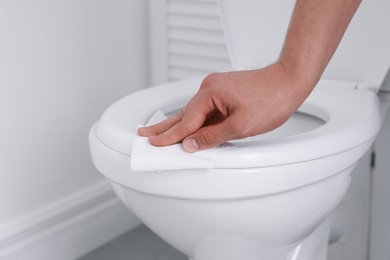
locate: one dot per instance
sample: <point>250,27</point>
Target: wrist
<point>302,76</point>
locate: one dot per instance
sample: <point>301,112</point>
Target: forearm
<point>239,104</point>
<point>316,29</point>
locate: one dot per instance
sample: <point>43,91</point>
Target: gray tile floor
<point>137,244</point>
<point>142,244</point>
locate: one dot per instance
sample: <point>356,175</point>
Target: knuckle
<point>188,124</point>
<point>179,114</point>
<point>209,80</point>
<point>156,140</point>
<point>191,122</point>
<point>207,137</point>
<point>185,129</point>
<point>156,129</point>
<point>169,138</point>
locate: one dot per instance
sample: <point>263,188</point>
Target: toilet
<point>270,198</point>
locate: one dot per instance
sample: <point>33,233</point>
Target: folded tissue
<point>146,157</point>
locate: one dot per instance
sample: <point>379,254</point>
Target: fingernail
<point>190,145</point>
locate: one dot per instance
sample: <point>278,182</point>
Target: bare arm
<point>239,104</point>
<point>316,29</point>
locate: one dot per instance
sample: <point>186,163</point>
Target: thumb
<point>211,136</point>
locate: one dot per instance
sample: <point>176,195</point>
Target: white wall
<point>61,64</point>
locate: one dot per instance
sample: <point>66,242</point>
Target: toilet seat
<point>261,163</point>
<point>347,123</point>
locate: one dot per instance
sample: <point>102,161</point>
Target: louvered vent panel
<point>196,44</point>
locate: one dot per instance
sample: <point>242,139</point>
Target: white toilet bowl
<point>265,198</point>
<point>270,197</point>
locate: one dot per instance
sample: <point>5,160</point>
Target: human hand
<point>231,105</point>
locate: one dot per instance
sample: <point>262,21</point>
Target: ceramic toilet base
<point>210,241</point>
<point>316,245</point>
<point>313,247</point>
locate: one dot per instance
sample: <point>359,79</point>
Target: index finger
<point>160,127</point>
<point>192,118</point>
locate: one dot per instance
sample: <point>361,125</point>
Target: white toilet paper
<point>146,157</point>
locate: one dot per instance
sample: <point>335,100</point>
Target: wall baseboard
<point>67,229</point>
